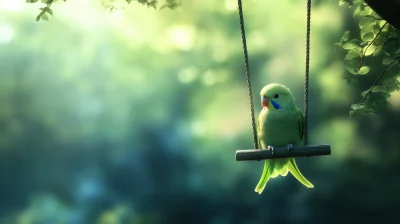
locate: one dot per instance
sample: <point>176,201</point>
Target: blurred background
<point>135,116</point>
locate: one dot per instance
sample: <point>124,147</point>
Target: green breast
<point>279,128</point>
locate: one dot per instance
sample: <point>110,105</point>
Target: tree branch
<point>379,78</point>
<point>377,35</point>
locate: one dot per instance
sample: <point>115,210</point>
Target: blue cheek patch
<point>275,104</point>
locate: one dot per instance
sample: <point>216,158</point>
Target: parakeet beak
<point>264,102</point>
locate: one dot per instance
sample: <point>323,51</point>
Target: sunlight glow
<point>188,75</point>
<point>343,127</point>
<point>209,78</point>
<point>220,55</point>
<point>278,66</point>
<point>11,5</point>
<point>333,85</point>
<point>231,5</point>
<point>198,128</point>
<point>84,14</point>
<point>116,16</point>
<point>258,39</point>
<point>182,37</point>
<point>6,33</point>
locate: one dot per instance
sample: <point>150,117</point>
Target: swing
<point>280,152</point>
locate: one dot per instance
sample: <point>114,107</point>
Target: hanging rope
<point>305,150</point>
<point>246,63</point>
<point>307,72</point>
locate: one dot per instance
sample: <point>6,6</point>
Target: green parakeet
<point>280,124</point>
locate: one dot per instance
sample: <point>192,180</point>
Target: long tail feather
<point>297,174</point>
<point>264,177</point>
<point>284,171</point>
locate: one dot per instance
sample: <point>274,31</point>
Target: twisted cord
<point>307,72</point>
<point>246,63</point>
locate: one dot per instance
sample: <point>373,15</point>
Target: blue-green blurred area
<point>135,116</point>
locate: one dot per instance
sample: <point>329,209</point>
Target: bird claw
<point>289,147</point>
<point>271,148</point>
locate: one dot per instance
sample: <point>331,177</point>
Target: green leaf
<point>48,10</point>
<point>364,21</point>
<point>363,70</point>
<point>377,28</point>
<point>378,50</point>
<point>379,89</point>
<point>367,29</point>
<point>392,84</point>
<point>350,69</point>
<point>351,44</point>
<point>364,93</point>
<point>368,36</point>
<point>365,10</point>
<point>369,49</point>
<point>350,2</point>
<point>357,12</point>
<point>387,60</point>
<point>382,37</point>
<point>44,17</point>
<point>357,106</point>
<point>354,53</point>
<point>351,66</point>
<point>361,110</point>
<point>351,79</point>
<point>382,23</point>
<point>345,36</point>
<point>384,94</point>
<point>367,32</point>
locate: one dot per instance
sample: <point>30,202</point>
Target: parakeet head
<point>276,97</point>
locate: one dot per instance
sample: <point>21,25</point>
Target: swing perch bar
<point>279,152</point>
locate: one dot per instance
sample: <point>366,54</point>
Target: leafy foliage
<point>46,10</point>
<point>110,5</point>
<point>379,39</point>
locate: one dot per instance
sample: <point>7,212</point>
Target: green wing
<point>258,131</point>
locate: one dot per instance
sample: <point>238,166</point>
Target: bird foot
<point>271,148</point>
<point>289,147</point>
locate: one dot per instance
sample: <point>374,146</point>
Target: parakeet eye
<point>264,97</point>
<point>276,96</point>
